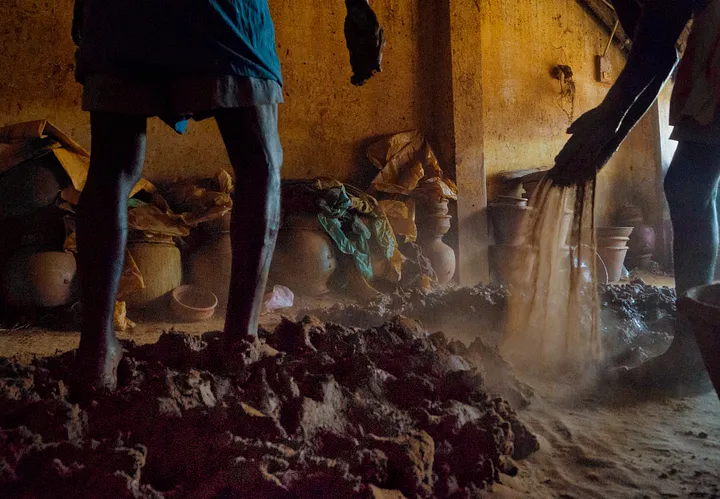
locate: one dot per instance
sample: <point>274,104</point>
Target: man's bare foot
<point>681,366</point>
<point>97,365</point>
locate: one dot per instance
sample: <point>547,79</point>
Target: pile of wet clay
<point>311,410</point>
<point>483,305</point>
<point>637,321</point>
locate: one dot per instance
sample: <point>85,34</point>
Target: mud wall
<point>525,121</point>
<point>325,121</point>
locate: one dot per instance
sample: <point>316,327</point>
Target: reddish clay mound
<point>313,410</point>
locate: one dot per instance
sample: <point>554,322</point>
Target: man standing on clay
<point>692,180</point>
<point>179,60</point>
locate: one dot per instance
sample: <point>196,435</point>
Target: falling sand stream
<point>552,323</point>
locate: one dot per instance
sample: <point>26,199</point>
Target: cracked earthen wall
<point>325,121</point>
<point>473,73</point>
<point>525,126</point>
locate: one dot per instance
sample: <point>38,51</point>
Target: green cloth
<point>349,232</point>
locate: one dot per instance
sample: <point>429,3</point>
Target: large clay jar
<point>441,256</point>
<point>304,257</point>
<point>642,240</point>
<point>210,265</point>
<point>509,220</point>
<point>29,186</point>
<point>38,279</point>
<point>511,263</point>
<point>160,264</point>
<point>437,208</point>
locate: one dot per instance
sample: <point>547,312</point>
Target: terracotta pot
<point>510,263</point>
<point>29,186</point>
<point>612,241</point>
<point>614,258</point>
<point>431,230</point>
<point>512,200</point>
<point>642,241</point>
<point>34,278</point>
<point>629,216</point>
<point>437,225</point>
<point>614,231</point>
<point>44,227</point>
<point>210,266</point>
<point>304,257</point>
<point>701,306</point>
<point>193,303</point>
<point>439,208</point>
<point>218,226</point>
<point>441,256</point>
<point>509,222</point>
<point>602,271</point>
<point>161,268</point>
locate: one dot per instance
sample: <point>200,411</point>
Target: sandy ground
<point>629,447</point>
<point>592,445</point>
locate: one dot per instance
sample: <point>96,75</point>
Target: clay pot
<point>614,231</point>
<point>430,237</point>
<point>510,263</point>
<point>161,267</point>
<point>442,258</point>
<point>33,278</point>
<point>304,257</point>
<point>612,241</point>
<point>29,186</point>
<point>642,241</point>
<point>44,227</point>
<point>438,208</point>
<point>613,236</point>
<point>193,303</point>
<point>629,216</point>
<point>512,200</point>
<point>509,222</point>
<point>218,226</point>
<point>210,265</point>
<point>701,306</point>
<point>614,258</point>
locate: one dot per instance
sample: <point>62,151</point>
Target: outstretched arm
<point>598,133</point>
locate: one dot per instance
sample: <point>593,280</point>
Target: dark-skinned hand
<point>365,40</point>
<point>594,140</point>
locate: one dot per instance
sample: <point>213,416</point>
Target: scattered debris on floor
<point>311,410</point>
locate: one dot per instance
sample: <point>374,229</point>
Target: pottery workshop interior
<point>375,249</point>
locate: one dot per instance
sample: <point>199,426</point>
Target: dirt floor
<point>593,443</point>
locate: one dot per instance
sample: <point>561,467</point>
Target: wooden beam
<point>467,92</point>
<point>607,17</point>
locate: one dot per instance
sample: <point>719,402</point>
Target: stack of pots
<point>612,246</point>
<point>642,240</point>
<point>510,217</point>
<point>433,223</point>
<point>34,271</point>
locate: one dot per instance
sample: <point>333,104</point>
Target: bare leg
<point>118,152</point>
<point>691,188</point>
<point>252,142</point>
